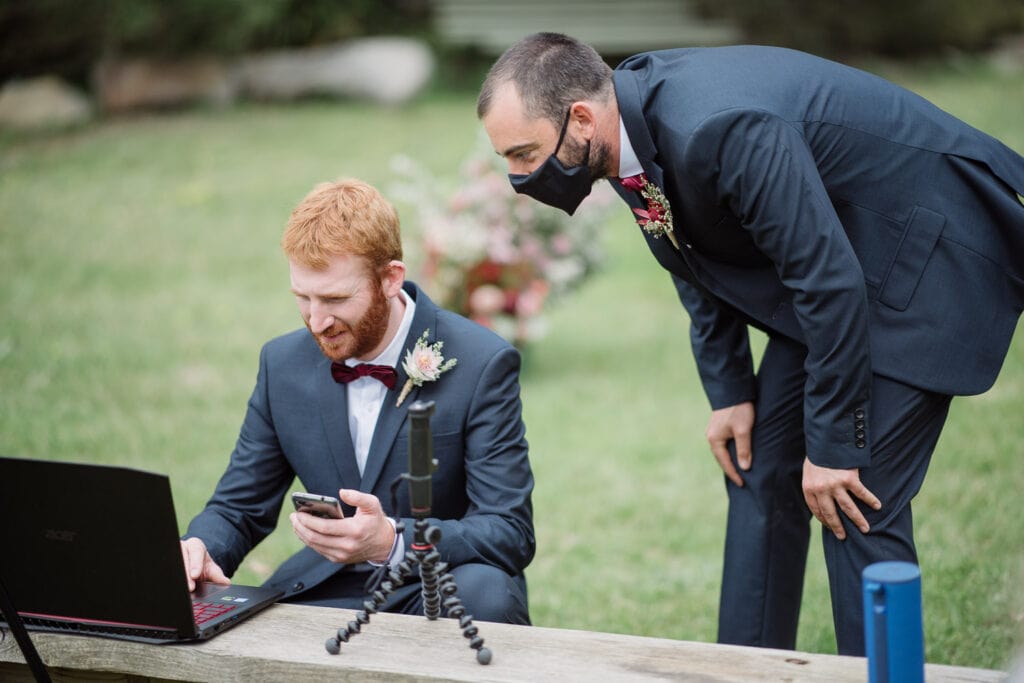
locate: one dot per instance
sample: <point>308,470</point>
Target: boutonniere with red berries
<point>656,220</point>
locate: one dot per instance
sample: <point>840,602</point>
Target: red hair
<point>346,217</point>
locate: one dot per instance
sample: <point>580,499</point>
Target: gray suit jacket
<point>822,203</point>
<point>297,426</point>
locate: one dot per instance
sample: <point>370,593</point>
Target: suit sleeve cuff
<point>850,444</point>
<point>722,394</point>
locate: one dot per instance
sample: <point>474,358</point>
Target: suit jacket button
<point>859,434</point>
<point>298,585</point>
<point>858,414</point>
<point>859,424</point>
<point>860,443</point>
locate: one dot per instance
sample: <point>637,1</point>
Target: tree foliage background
<point>910,28</point>
<point>67,37</point>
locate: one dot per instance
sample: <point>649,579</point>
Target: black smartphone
<point>327,507</point>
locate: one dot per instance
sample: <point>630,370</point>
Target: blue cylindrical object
<point>893,630</point>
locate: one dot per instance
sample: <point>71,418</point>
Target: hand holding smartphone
<point>327,507</point>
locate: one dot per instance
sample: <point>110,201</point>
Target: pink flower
<point>426,363</point>
<point>561,245</point>
<point>423,363</point>
<point>486,300</point>
<point>482,233</point>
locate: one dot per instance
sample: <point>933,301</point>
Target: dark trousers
<point>768,526</point>
<point>487,593</point>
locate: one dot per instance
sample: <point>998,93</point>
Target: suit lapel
<point>392,417</point>
<point>703,273</point>
<point>333,401</point>
<point>627,95</point>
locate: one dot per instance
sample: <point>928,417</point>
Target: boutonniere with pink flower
<point>657,218</point>
<point>423,363</point>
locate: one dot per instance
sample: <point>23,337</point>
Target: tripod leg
<point>429,571</point>
<point>438,582</point>
<point>455,609</point>
<point>373,605</point>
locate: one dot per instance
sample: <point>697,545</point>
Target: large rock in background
<point>1008,55</point>
<point>388,70</point>
<point>385,70</point>
<point>42,102</point>
<point>124,84</point>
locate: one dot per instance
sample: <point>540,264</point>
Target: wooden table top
<point>286,643</point>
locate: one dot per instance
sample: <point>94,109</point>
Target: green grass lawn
<point>141,273</point>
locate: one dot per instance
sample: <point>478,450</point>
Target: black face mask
<point>555,185</point>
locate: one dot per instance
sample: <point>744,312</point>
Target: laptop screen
<point>92,543</point>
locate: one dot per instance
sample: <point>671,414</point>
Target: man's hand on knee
<point>735,423</point>
<point>827,491</point>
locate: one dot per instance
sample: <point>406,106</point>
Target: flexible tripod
<point>434,577</point>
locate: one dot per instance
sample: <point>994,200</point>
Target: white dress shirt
<point>366,394</point>
<point>366,397</point>
<point>628,163</point>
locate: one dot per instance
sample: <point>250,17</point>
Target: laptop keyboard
<point>204,611</point>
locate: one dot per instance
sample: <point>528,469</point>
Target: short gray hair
<point>550,71</point>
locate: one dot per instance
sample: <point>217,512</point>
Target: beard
<point>596,156</point>
<point>364,335</point>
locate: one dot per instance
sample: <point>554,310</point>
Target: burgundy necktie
<point>344,373</point>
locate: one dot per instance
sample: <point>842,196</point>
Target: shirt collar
<point>629,165</point>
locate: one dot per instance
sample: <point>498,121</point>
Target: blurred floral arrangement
<point>492,255</point>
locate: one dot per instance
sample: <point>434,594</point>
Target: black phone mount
<point>434,577</point>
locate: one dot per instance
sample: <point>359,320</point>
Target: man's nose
<point>320,319</point>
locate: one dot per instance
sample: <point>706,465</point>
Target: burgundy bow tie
<point>344,373</point>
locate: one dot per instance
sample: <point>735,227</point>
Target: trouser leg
<point>768,528</point>
<point>904,425</point>
<point>487,593</point>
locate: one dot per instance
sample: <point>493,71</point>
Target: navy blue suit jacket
<point>825,204</point>
<point>297,426</point>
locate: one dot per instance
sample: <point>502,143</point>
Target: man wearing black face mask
<point>869,234</point>
<point>555,184</point>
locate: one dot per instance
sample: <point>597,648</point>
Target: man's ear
<point>392,278</point>
<point>583,117</point>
